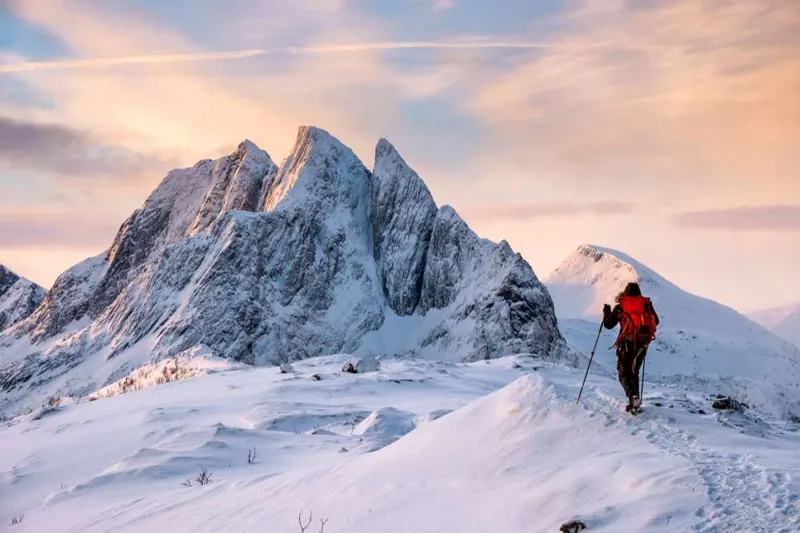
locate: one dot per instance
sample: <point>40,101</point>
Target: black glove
<point>606,310</point>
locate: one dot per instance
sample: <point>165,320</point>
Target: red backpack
<point>637,323</point>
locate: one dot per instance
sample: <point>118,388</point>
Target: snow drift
<point>266,264</point>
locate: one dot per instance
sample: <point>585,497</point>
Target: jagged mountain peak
<point>385,148</point>
<point>319,170</point>
<point>7,279</point>
<point>19,297</point>
<point>448,213</point>
<point>249,146</point>
<point>403,213</point>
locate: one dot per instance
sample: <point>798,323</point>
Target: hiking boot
<point>636,402</point>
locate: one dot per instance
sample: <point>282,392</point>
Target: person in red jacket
<point>638,322</point>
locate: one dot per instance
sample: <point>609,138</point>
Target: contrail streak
<point>32,66</point>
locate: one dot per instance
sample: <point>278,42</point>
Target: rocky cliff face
<point>265,264</point>
<point>18,298</point>
<point>403,214</point>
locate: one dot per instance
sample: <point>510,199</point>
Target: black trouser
<point>629,361</point>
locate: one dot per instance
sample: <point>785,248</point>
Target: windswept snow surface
<point>497,446</point>
<point>783,321</point>
<point>699,341</point>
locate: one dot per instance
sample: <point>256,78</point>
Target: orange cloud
<point>154,106</point>
<point>701,96</point>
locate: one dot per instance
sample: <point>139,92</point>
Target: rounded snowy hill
<point>698,339</point>
<point>783,321</point>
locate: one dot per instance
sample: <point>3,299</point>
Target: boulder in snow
<point>724,403</point>
<point>362,366</point>
<point>576,526</point>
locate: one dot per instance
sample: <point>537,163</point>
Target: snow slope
<point>18,298</point>
<point>417,446</point>
<point>698,340</point>
<point>783,321</point>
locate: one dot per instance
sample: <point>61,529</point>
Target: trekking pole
<point>641,389</point>
<point>590,361</point>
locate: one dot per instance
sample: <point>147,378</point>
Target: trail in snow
<point>741,493</point>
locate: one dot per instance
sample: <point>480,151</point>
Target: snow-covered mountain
<point>783,321</point>
<point>264,264</point>
<point>18,297</point>
<point>698,340</point>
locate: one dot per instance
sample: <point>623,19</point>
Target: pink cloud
<point>764,218</point>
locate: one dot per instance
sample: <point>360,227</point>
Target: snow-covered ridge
<point>266,264</point>
<point>698,339</point>
<point>18,297</point>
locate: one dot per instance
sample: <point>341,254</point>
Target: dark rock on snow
<point>576,526</point>
<point>724,403</point>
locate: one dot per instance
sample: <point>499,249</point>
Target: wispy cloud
<point>764,218</point>
<point>528,211</point>
<point>15,67</point>
<point>20,66</point>
<point>680,96</point>
<point>441,5</point>
<point>67,152</point>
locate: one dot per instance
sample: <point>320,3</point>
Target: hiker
<point>638,322</point>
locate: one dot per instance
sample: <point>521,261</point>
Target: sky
<point>665,129</point>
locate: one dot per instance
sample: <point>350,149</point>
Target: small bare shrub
<point>17,519</point>
<point>169,373</point>
<point>128,385</point>
<point>251,456</point>
<point>204,477</point>
<point>304,527</point>
<point>187,483</point>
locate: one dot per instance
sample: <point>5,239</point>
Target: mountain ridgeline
<point>265,264</point>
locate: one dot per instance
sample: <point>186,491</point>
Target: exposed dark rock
<point>576,526</point>
<point>723,403</point>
